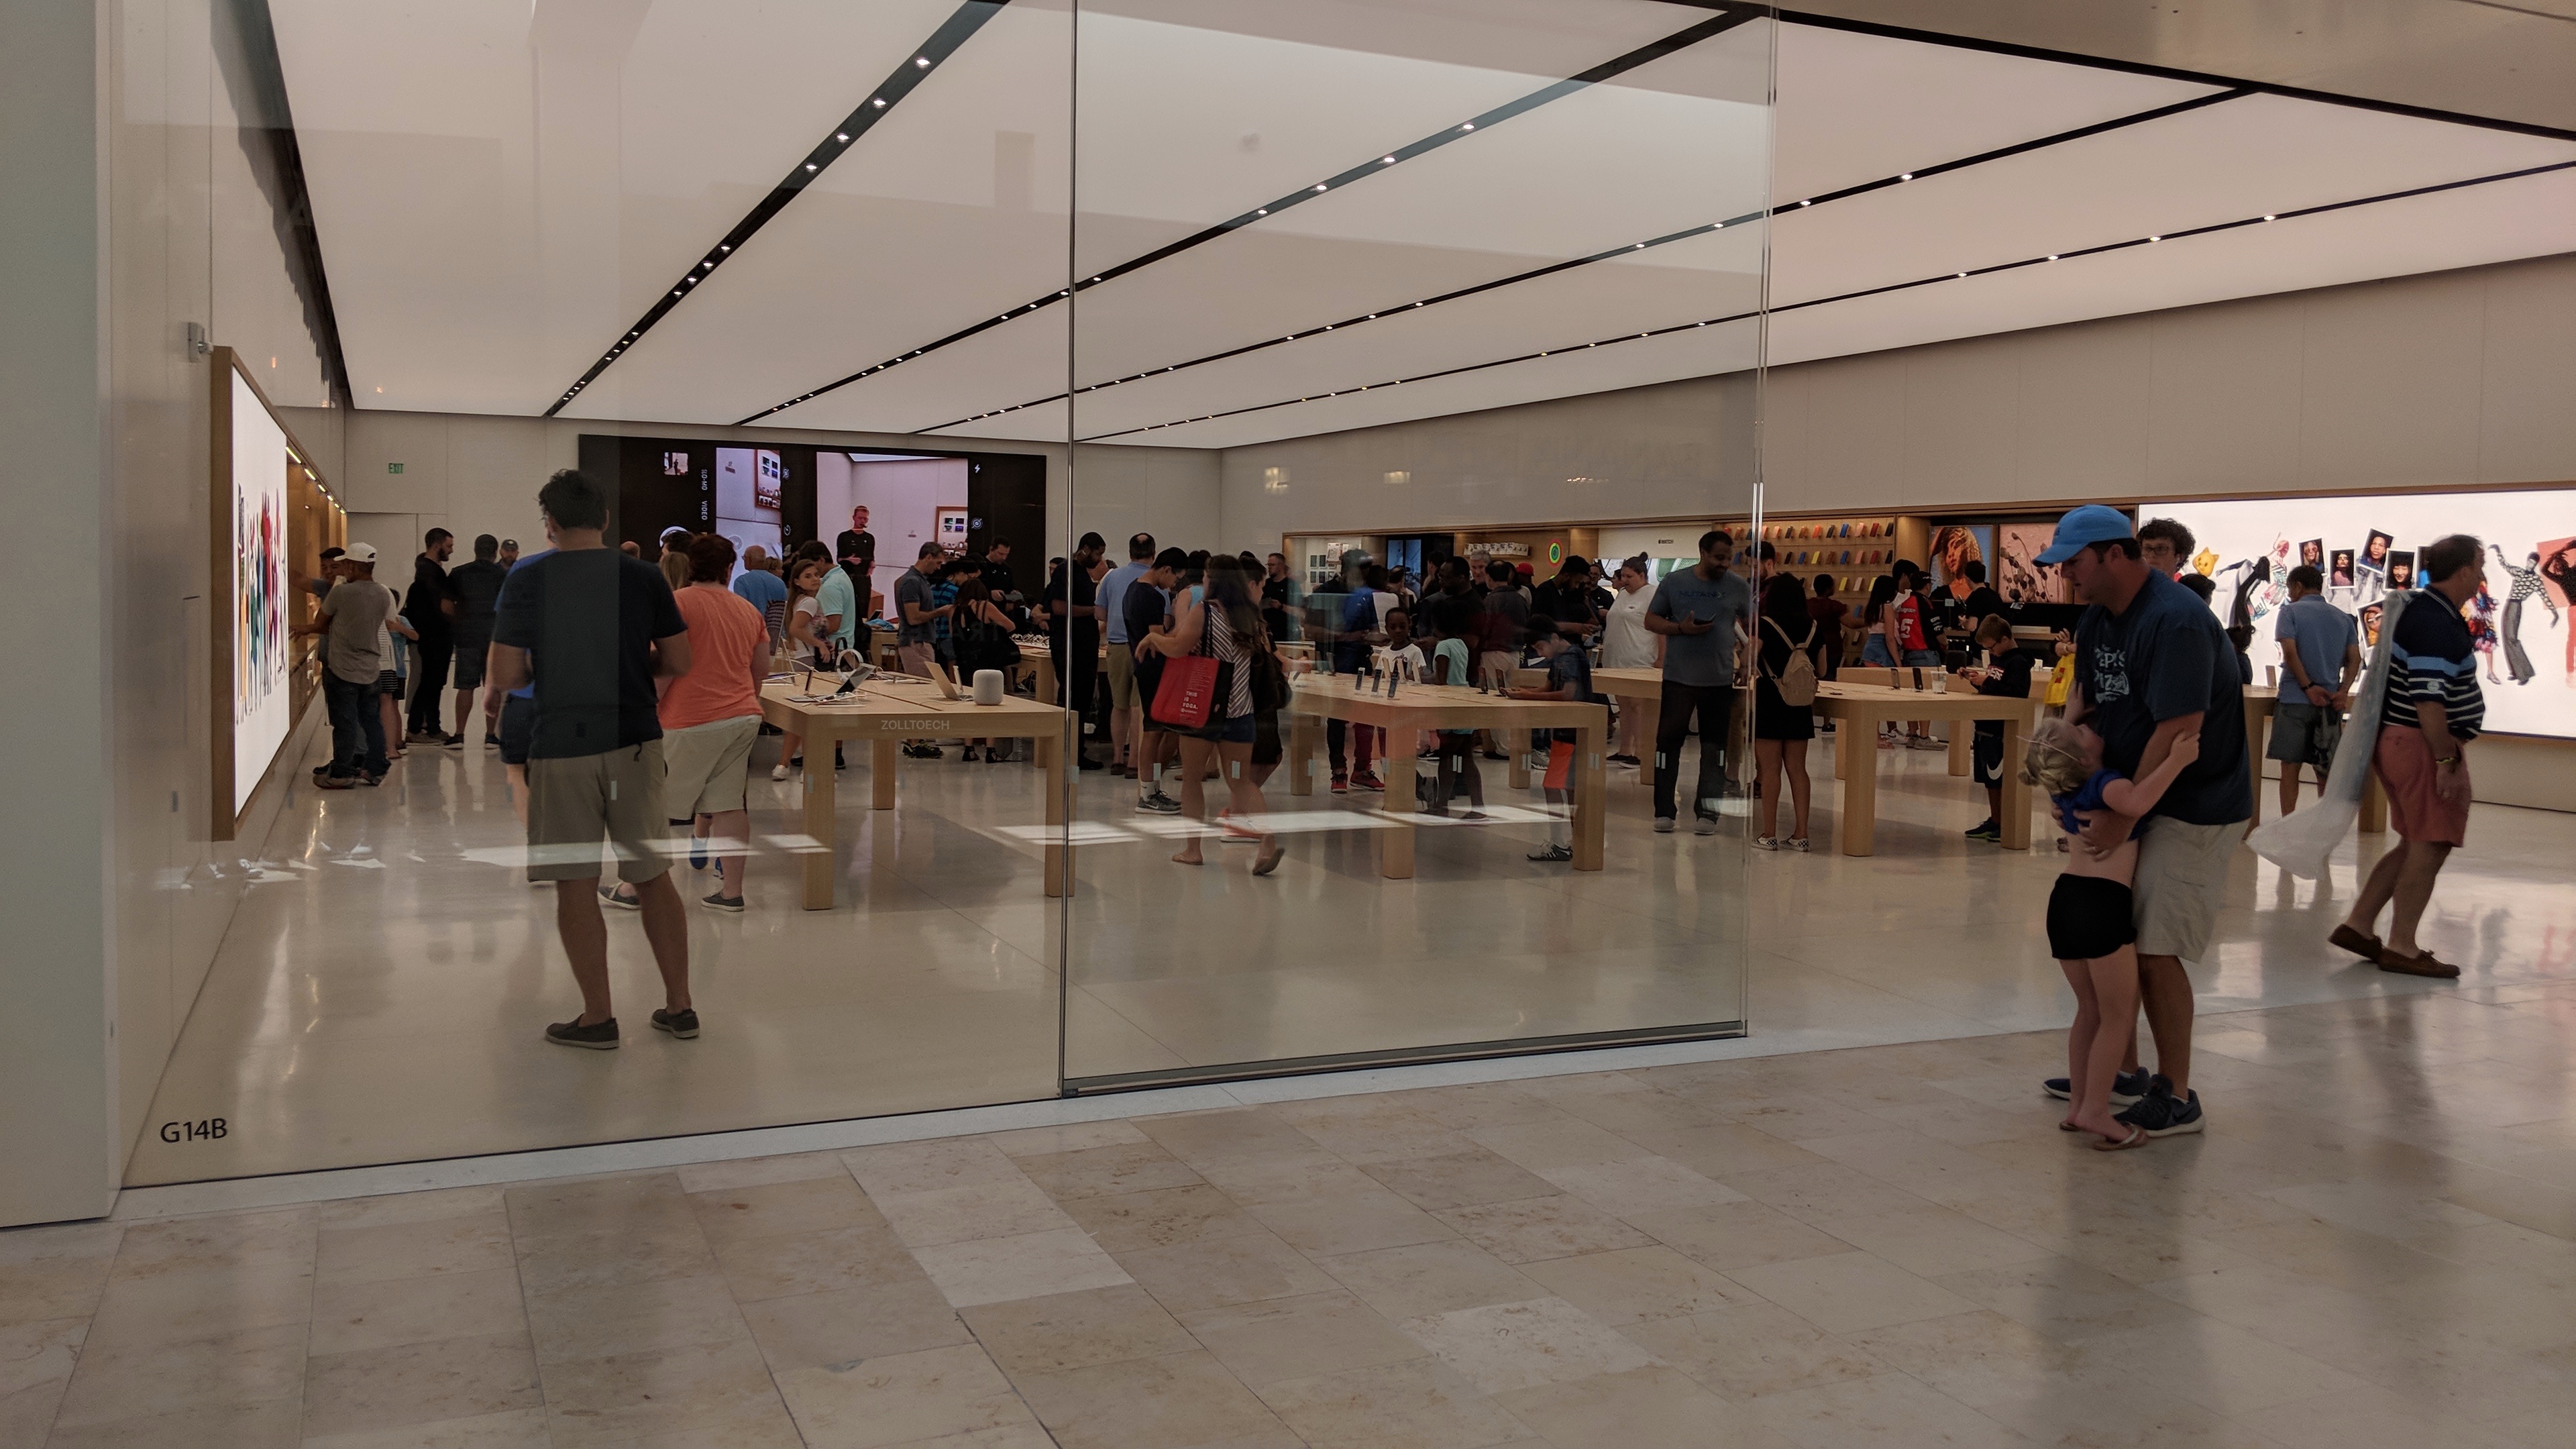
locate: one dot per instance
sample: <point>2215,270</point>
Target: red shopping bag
<point>1187,692</point>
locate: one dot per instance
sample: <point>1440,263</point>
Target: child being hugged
<point>2092,928</point>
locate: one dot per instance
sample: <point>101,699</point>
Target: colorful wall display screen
<point>2368,546</point>
<point>261,700</point>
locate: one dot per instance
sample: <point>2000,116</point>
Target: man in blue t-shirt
<point>2434,707</point>
<point>764,591</point>
<point>596,629</point>
<point>2151,665</point>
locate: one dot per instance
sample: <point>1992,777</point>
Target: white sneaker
<point>1800,844</point>
<point>1765,842</point>
<point>1704,825</point>
<point>778,772</point>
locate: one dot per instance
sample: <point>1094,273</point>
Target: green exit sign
<point>393,467</point>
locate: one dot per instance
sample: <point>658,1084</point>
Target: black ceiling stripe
<point>2163,72</point>
<point>925,58</point>
<point>1616,66</point>
<point>1630,249</point>
<point>2118,246</point>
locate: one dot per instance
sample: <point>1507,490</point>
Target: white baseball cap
<point>361,553</point>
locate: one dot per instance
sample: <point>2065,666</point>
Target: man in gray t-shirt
<point>350,619</point>
<point>918,613</point>
<point>1701,611</point>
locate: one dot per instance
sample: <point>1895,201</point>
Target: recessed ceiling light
<point>1802,203</point>
<point>2052,256</point>
<point>880,103</point>
<point>1721,226</point>
<point>809,165</point>
<point>1908,176</point>
<point>2268,217</point>
<point>842,137</point>
<point>1641,246</point>
<point>1319,185</point>
<point>1962,274</point>
<point>1263,211</point>
<point>1386,160</point>
<point>2155,238</point>
<point>1468,127</point>
<point>922,60</point>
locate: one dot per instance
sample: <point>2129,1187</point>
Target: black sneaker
<point>722,902</point>
<point>2126,1087</point>
<point>600,1037</point>
<point>2161,1113</point>
<point>682,1023</point>
<point>1090,764</point>
<point>1986,830</point>
<point>452,742</point>
<point>1159,803</point>
<point>1553,853</point>
<point>921,752</point>
<point>622,902</point>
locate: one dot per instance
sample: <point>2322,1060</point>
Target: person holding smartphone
<point>1702,612</point>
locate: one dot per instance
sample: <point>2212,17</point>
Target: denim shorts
<point>1923,658</point>
<point>1240,730</point>
<point>1873,651</point>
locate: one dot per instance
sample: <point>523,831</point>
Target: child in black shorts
<point>2007,672</point>
<point>2092,929</point>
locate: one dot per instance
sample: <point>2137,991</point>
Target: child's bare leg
<point>2114,980</point>
<point>2079,1036</point>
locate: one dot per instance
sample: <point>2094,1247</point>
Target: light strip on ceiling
<point>2039,261</point>
<point>1385,161</point>
<point>1626,249</point>
<point>906,77</point>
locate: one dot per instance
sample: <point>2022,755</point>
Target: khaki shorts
<point>1497,665</point>
<point>574,802</point>
<point>1121,662</point>
<point>917,659</point>
<point>2181,883</point>
<point>709,764</point>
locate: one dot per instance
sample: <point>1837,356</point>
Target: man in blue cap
<point>2151,665</point>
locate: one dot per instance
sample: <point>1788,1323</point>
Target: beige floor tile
<point>1127,1221</point>
<point>1539,1146</point>
<point>1408,1282</point>
<point>704,1389</point>
<point>1421,1404</point>
<point>353,1316</point>
<point>419,1383</point>
<point>1032,1265</point>
<point>509,1429</point>
<point>377,1252</point>
<point>1216,1272</point>
<point>923,1395</point>
<point>202,1302</point>
<point>700,1177</point>
<point>1746,1351</point>
<point>1532,1229</point>
<point>1076,1330</point>
<point>931,1166</point>
<point>896,1313</point>
<point>1294,1338</point>
<point>1002,1208</point>
<point>631,1318</point>
<point>236,1241</point>
<point>1643,1406</point>
<point>1509,1346</point>
<point>674,1247</point>
<point>1229,1134</point>
<point>2372,1418</point>
<point>1850,1291</point>
<point>1459,1179</point>
<point>2062,1298</point>
<point>1170,1402</point>
<point>1071,1137</point>
<point>1934,1240</point>
<point>775,1209</point>
<point>1117,1167</point>
<point>37,1289</point>
<point>140,1380</point>
<point>271,1425</point>
<point>779,1267</point>
<point>1888,1409</point>
<point>1736,1235</point>
<point>641,1204</point>
<point>1626,1285</point>
<point>35,1355</point>
<point>411,1207</point>
<point>1721,1152</point>
<point>1640,1185</point>
<point>2218,1367</point>
<point>1350,1219</point>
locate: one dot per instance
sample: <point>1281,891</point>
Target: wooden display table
<point>1961,763</point>
<point>1859,709</point>
<point>885,711</point>
<point>2259,706</point>
<point>1642,690</point>
<point>1315,698</point>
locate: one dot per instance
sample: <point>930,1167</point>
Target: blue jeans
<point>1923,658</point>
<point>1873,651</point>
<point>357,727</point>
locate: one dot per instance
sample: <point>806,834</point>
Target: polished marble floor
<point>379,994</point>
<point>2373,1245</point>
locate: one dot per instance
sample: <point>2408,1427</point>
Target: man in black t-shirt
<point>597,627</point>
<point>477,587</point>
<point>1073,637</point>
<point>2152,664</point>
<point>430,605</point>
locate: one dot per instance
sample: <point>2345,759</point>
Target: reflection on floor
<point>379,995</point>
<point>2373,1245</point>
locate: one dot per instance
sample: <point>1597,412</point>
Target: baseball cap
<point>361,553</point>
<point>2081,527</point>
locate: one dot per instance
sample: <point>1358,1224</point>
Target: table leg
<point>1516,744</point>
<point>821,795</point>
<point>881,764</point>
<point>1845,731</point>
<point>2255,718</point>
<point>1961,733</point>
<point>1591,807</point>
<point>2016,821</point>
<point>1395,847</point>
<point>2374,806</point>
<point>1302,729</point>
<point>1059,856</point>
<point>1859,825</point>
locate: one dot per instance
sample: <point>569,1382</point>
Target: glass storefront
<point>1242,385</point>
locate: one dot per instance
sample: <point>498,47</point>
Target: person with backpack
<point>1784,707</point>
<point>980,632</point>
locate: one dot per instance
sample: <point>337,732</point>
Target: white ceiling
<point>502,190</point>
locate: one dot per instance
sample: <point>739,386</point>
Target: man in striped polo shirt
<point>2434,709</point>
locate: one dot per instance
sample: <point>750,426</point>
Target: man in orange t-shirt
<point>711,715</point>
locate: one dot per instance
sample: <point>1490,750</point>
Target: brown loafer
<point>2365,947</point>
<point>2421,964</point>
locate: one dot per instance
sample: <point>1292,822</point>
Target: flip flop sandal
<point>2137,1138</point>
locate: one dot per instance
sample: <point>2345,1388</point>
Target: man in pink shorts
<point>2434,709</point>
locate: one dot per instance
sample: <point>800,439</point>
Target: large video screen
<point>2367,546</point>
<point>263,709</point>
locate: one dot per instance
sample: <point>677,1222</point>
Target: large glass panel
<point>1424,313</point>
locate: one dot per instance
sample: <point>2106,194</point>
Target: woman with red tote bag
<point>1207,698</point>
